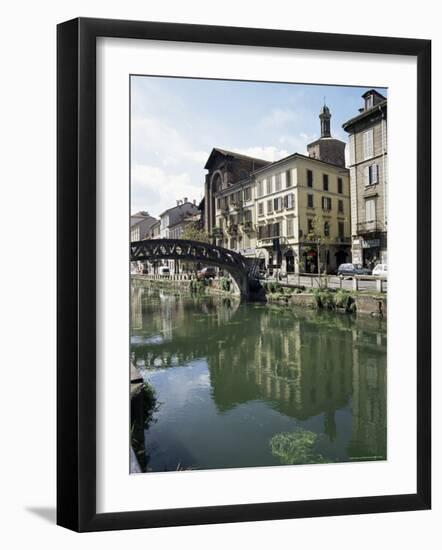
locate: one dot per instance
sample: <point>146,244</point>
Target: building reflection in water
<point>302,364</point>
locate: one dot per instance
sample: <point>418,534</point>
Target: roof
<point>382,104</point>
<point>298,155</point>
<point>137,218</point>
<point>226,153</point>
<point>373,91</point>
<point>179,207</point>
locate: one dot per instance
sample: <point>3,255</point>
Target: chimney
<point>194,202</point>
<point>177,203</point>
<point>185,199</point>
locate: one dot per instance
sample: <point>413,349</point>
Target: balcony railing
<point>369,227</point>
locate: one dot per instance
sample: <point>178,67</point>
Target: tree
<point>320,237</point>
<point>194,233</point>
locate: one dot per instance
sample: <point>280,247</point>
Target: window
<point>310,201</point>
<point>341,229</point>
<point>232,198</point>
<point>248,215</point>
<point>326,229</point>
<point>288,179</point>
<point>340,185</point>
<point>218,204</point>
<point>259,190</point>
<point>233,244</point>
<point>269,185</point>
<point>326,203</point>
<point>247,193</point>
<point>277,203</point>
<point>289,201</point>
<point>309,178</point>
<point>269,207</point>
<point>238,197</point>
<point>310,225</point>
<point>370,210</point>
<point>367,141</point>
<point>371,174</point>
<point>290,227</point>
<point>340,206</point>
<point>260,209</point>
<point>278,182</point>
<point>369,102</point>
<point>325,182</point>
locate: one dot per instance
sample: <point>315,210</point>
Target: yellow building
<point>302,206</point>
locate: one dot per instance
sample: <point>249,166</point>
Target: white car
<point>380,270</point>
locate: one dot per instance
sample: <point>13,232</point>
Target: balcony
<point>364,228</point>
<point>248,227</point>
<point>232,229</point>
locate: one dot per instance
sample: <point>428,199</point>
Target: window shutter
<point>374,175</point>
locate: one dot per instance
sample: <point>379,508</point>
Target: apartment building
<point>303,215</point>
<point>368,180</point>
<point>140,225</point>
<point>235,218</point>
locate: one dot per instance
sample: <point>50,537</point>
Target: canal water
<point>246,385</point>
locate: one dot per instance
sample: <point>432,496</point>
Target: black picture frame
<point>76,273</point>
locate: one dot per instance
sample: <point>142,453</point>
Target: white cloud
<point>152,137</point>
<point>154,189</point>
<point>278,118</point>
<point>270,152</point>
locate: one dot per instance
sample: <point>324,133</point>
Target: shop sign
<point>371,243</point>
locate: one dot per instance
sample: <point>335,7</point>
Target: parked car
<point>380,270</point>
<point>163,270</point>
<point>353,269</point>
<point>206,273</point>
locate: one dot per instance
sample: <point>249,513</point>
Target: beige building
<point>368,180</point>
<point>300,202</point>
<point>278,212</point>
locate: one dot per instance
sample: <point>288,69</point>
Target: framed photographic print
<point>243,274</point>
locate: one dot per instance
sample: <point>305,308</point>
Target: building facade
<point>140,225</point>
<point>368,180</point>
<point>171,218</point>
<point>303,215</point>
<point>290,214</point>
<point>225,169</point>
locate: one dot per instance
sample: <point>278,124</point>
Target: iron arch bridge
<point>242,269</point>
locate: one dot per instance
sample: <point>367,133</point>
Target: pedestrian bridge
<point>243,270</point>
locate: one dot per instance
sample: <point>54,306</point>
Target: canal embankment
<point>223,286</point>
<point>363,302</point>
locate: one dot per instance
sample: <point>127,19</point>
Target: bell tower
<point>324,117</point>
<point>327,148</point>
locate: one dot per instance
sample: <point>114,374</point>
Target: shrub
<point>198,286</point>
<point>225,284</point>
<point>297,447</point>
<point>344,299</point>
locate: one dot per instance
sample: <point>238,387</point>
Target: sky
<point>176,122</point>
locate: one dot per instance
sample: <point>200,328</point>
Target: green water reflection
<point>257,385</point>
